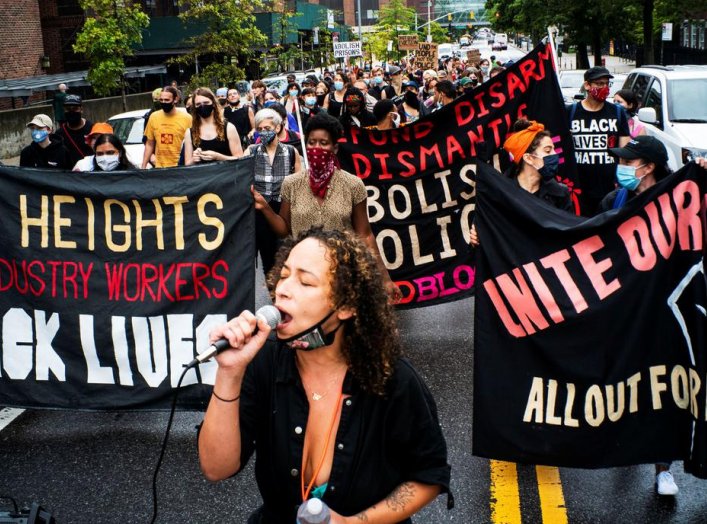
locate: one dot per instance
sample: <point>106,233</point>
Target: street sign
<point>407,42</point>
<point>426,56</point>
<point>346,49</point>
<point>667,33</point>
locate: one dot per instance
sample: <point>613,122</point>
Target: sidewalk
<point>612,63</point>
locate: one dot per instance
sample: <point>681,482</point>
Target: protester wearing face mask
<point>308,105</point>
<point>109,154</point>
<point>355,112</point>
<point>222,96</point>
<point>87,163</point>
<point>362,86</point>
<point>211,137</point>
<point>386,115</point>
<point>274,162</point>
<point>642,163</point>
<point>46,149</point>
<point>485,68</point>
<point>74,129</point>
<point>535,164</point>
<point>240,114</point>
<point>379,89</point>
<point>334,103</point>
<point>325,195</point>
<point>165,131</point>
<point>290,99</point>
<point>596,126</point>
<point>410,108</point>
<point>627,99</point>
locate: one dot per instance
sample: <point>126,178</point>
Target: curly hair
<point>371,343</point>
<point>217,114</point>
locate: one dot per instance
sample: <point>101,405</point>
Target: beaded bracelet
<point>225,399</point>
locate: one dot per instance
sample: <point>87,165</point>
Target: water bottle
<point>313,511</point>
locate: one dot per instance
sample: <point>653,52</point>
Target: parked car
<point>571,81</point>
<point>278,82</point>
<point>671,101</point>
<point>129,127</point>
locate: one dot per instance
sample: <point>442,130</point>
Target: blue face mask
<point>626,176</point>
<point>39,135</point>
<point>268,103</point>
<point>338,86</point>
<point>293,93</point>
<point>267,137</point>
<point>378,79</point>
<point>551,163</point>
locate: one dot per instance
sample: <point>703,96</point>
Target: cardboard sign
<point>407,42</point>
<point>426,57</point>
<point>473,56</point>
<point>346,49</point>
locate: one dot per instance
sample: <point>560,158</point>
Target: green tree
<point>113,28</point>
<point>229,39</point>
<point>394,19</point>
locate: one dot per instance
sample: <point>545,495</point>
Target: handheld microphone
<point>270,314</point>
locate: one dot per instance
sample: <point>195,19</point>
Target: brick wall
<point>21,42</point>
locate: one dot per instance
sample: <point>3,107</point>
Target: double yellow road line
<point>505,494</point>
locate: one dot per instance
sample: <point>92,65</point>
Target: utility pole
<point>429,21</point>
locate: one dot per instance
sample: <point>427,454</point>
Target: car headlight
<point>692,153</point>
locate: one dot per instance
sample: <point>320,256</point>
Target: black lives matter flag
<point>110,283</point>
<point>591,335</point>
<point>421,177</point>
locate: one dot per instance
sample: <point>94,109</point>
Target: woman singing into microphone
<point>331,410</point>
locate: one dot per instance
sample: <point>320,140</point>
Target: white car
<point>129,127</point>
<point>673,108</point>
<point>571,81</point>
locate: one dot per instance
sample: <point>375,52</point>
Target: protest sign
<point>110,282</point>
<point>420,177</point>
<point>591,336</point>
<point>407,42</point>
<point>426,56</point>
<point>473,56</point>
<point>347,49</point>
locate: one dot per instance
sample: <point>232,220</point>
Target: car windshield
<point>687,100</point>
<point>129,130</point>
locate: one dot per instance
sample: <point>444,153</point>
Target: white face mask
<point>396,119</point>
<point>108,162</point>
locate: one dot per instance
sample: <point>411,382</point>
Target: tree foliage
<point>394,19</point>
<point>229,39</point>
<point>109,35</point>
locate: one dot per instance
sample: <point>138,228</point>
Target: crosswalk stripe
<point>505,495</point>
<point>552,501</point>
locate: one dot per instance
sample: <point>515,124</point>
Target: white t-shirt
<point>85,164</point>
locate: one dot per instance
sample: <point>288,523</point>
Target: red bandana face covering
<point>322,164</point>
<point>599,93</point>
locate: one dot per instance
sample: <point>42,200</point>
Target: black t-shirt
<point>75,141</point>
<point>240,118</point>
<point>381,441</point>
<point>555,194</point>
<point>593,133</point>
<point>54,155</point>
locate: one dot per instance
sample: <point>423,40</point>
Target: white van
<point>500,41</point>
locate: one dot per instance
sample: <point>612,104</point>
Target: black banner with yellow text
<point>591,335</point>
<point>110,283</point>
<point>420,177</point>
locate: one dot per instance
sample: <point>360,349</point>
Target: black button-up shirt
<point>381,442</point>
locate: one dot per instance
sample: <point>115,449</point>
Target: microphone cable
<point>164,444</point>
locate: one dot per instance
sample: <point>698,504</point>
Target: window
<point>654,99</point>
<point>68,7</point>
<point>639,87</point>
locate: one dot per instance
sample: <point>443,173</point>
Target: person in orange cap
<point>99,128</point>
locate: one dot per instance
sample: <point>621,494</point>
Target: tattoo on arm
<point>401,496</point>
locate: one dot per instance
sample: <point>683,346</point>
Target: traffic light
<point>449,16</point>
<point>471,15</point>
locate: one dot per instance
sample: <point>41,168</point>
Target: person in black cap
<point>75,129</point>
<point>410,108</point>
<point>596,126</point>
